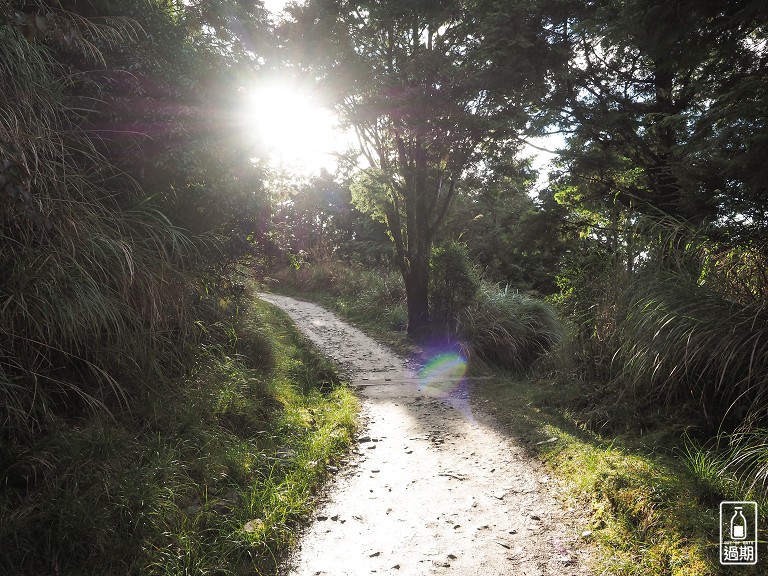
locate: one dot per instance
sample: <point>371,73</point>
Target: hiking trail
<point>433,485</point>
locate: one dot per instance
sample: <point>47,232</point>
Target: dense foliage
<point>153,420</point>
<point>120,206</point>
<point>663,104</point>
<point>418,83</point>
<point>651,233</point>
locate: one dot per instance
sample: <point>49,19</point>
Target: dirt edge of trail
<point>433,485</point>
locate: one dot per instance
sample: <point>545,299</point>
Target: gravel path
<point>433,486</point>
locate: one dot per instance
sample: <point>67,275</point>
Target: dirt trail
<point>433,486</point>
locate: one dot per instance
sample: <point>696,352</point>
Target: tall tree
<point>667,107</point>
<point>419,83</point>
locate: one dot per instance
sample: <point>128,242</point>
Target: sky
<point>274,6</point>
<point>542,161</point>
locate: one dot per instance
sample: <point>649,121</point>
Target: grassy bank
<point>207,475</point>
<point>652,497</point>
<point>651,511</point>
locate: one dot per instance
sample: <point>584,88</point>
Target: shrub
<point>507,328</point>
<point>680,341</point>
<point>453,283</point>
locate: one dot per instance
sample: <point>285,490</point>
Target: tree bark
<point>417,293</point>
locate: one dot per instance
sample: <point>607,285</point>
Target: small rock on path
<point>433,487</point>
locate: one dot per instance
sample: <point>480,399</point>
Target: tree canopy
<point>666,107</point>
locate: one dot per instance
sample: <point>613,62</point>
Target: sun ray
<point>290,125</point>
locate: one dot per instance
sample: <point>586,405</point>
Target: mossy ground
<point>648,512</point>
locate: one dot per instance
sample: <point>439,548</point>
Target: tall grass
<point>96,283</point>
<point>688,325</point>
<point>687,329</point>
<point>732,466</point>
<point>680,341</point>
<point>508,329</point>
<point>209,474</point>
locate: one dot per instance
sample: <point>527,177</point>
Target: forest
<point>148,399</point>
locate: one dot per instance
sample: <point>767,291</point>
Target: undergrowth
<point>684,327</point>
<point>508,329</point>
<point>493,325</point>
<point>209,474</point>
<point>651,498</point>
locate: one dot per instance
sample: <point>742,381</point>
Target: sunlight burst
<point>292,127</point>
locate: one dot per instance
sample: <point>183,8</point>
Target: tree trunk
<point>417,294</point>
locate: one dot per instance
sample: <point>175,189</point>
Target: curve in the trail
<point>433,486</point>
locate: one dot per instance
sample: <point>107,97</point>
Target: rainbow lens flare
<point>443,377</point>
<point>443,374</point>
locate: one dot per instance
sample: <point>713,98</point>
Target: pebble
<point>253,525</point>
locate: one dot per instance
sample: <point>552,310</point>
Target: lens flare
<point>444,378</point>
<point>443,374</point>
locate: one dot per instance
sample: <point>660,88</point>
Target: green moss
<point>647,514</point>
